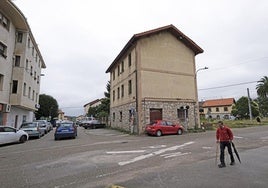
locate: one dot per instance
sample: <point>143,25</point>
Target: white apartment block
<point>20,67</point>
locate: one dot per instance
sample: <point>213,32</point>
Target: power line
<point>231,85</point>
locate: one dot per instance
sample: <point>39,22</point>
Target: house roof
<point>92,102</point>
<point>219,102</point>
<point>171,28</point>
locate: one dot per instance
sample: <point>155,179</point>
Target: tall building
<point>20,67</point>
<point>154,77</point>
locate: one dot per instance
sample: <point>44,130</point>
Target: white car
<point>10,135</point>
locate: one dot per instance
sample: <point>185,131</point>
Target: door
<point>155,114</point>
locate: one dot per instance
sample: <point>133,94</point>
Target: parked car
<point>65,130</point>
<point>11,135</point>
<point>33,129</point>
<point>92,123</point>
<point>162,127</point>
<point>43,125</point>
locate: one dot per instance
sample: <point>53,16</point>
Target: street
<point>103,157</point>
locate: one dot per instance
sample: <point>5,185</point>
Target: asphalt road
<point>102,158</point>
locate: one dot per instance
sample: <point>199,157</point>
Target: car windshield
<point>28,125</point>
<point>65,125</point>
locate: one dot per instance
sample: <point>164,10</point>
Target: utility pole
<point>249,105</point>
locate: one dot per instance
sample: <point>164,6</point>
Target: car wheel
<point>23,139</point>
<point>158,133</point>
<point>179,132</point>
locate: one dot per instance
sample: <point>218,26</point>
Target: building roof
<point>219,102</point>
<point>170,28</point>
<point>92,102</point>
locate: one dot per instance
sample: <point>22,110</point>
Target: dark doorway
<point>155,114</point>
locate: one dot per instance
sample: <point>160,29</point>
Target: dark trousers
<point>229,147</point>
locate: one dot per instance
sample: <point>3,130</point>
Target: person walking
<point>224,136</point>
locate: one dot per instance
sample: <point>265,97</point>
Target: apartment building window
<point>36,97</point>
<point>129,87</point>
<point>29,92</point>
<point>129,59</point>
<point>122,67</point>
<point>113,95</point>
<point>118,93</point>
<point>209,109</point>
<point>122,91</point>
<point>113,75</point>
<point>17,61</point>
<point>33,95</point>
<point>19,37</point>
<point>217,109</point>
<point>27,65</point>
<point>118,70</point>
<point>31,73</point>
<point>4,21</point>
<point>182,113</point>
<point>1,82</point>
<point>121,116</point>
<point>113,117</point>
<point>34,75</point>
<point>15,86</point>
<point>38,79</point>
<point>29,42</point>
<point>3,50</point>
<point>32,51</point>
<point>24,89</point>
<point>225,109</point>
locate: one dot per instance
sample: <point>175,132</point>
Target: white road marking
<point>174,154</point>
<point>142,157</point>
<point>206,147</point>
<point>155,147</point>
<point>122,152</point>
<point>238,137</point>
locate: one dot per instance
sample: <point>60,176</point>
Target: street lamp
<point>196,112</point>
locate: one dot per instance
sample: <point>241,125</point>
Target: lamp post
<point>196,111</point>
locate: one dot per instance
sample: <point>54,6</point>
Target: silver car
<point>11,135</point>
<point>33,129</point>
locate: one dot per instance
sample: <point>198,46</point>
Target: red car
<point>161,127</point>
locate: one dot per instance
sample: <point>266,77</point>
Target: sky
<point>79,39</point>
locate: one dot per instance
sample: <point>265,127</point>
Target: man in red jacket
<point>224,136</point>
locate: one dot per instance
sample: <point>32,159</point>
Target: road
<point>103,157</point>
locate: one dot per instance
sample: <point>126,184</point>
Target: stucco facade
<point>20,67</point>
<point>154,77</point>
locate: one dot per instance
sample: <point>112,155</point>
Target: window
<point>129,87</point>
<point>24,89</point>
<point>118,92</point>
<point>19,37</point>
<point>121,116</point>
<point>182,113</point>
<point>17,61</point>
<point>3,50</point>
<point>122,66</point>
<point>129,59</point>
<point>38,79</point>
<point>31,73</point>
<point>118,70</point>
<point>209,109</point>
<point>15,86</point>
<point>33,95</point>
<point>122,91</point>
<point>1,82</point>
<point>4,21</point>
<point>27,65</point>
<point>225,109</point>
<point>113,95</point>
<point>113,75</point>
<point>113,116</point>
<point>29,92</point>
<point>29,42</point>
<point>217,109</point>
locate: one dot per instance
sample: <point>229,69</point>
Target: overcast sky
<point>79,39</point>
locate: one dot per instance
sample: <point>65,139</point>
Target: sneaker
<point>232,163</point>
<point>221,165</point>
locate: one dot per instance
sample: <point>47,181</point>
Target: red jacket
<point>224,134</point>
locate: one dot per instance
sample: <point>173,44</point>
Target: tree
<point>262,87</point>
<point>48,107</point>
<point>263,105</point>
<point>103,109</point>
<point>241,108</point>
